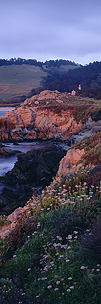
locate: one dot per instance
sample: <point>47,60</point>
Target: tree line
<point>49,63</point>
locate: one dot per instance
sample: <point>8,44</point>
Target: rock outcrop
<point>68,162</point>
<point>34,169</point>
<point>41,116</point>
<point>6,152</point>
<point>13,217</point>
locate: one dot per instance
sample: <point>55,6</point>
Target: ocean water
<point>26,146</point>
<point>6,164</point>
<point>4,110</point>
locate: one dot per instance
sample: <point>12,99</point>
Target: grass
<point>19,80</point>
<point>45,258</point>
<point>79,107</point>
<point>88,168</point>
<point>53,255</point>
<point>29,77</point>
<point>4,221</point>
<point>92,149</point>
<point>16,81</point>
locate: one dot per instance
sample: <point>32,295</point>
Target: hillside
<point>88,77</point>
<point>16,82</point>
<point>48,116</point>
<point>51,248</point>
<point>19,77</point>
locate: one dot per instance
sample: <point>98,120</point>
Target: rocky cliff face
<point>33,170</point>
<point>68,162</point>
<point>42,116</point>
<point>6,152</point>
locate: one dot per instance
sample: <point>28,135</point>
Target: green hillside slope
<point>19,77</point>
<point>19,80</point>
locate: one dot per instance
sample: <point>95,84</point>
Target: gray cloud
<point>51,29</point>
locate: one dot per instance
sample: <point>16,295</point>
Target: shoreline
<point>6,108</point>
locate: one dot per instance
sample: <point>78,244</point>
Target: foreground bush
<point>91,242</point>
<point>58,249</point>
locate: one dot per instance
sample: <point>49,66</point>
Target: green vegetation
<point>21,78</point>
<point>17,81</point>
<point>92,148</point>
<point>88,168</point>
<point>54,253</point>
<point>88,76</point>
<point>79,107</point>
<point>4,221</point>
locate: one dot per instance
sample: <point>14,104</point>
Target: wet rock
<point>6,152</point>
<point>12,199</point>
<point>36,168</point>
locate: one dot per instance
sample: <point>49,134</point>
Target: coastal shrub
<point>59,211</point>
<point>4,221</point>
<point>96,116</point>
<point>61,273</point>
<point>17,237</point>
<point>91,242</point>
<point>80,108</point>
<point>89,174</point>
<point>92,149</point>
<point>9,294</point>
<point>44,258</point>
<point>90,142</point>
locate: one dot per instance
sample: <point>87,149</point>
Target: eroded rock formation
<point>6,152</point>
<point>34,169</point>
<point>40,117</point>
<point>68,162</point>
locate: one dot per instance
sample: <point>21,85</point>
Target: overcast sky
<point>51,29</point>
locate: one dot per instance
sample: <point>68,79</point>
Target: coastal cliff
<point>48,115</point>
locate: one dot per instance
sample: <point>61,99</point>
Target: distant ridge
<point>88,77</point>
<point>49,63</point>
<point>21,78</point>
